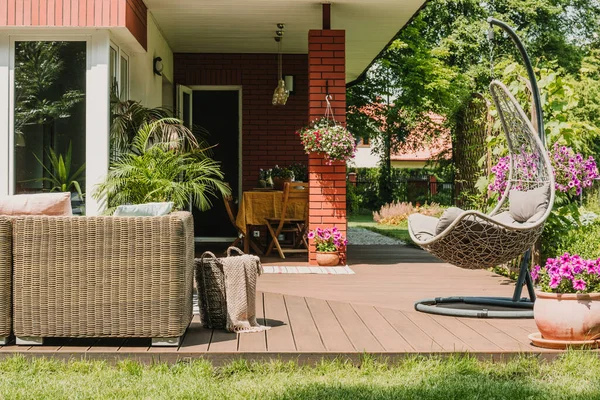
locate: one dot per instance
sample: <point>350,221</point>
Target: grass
<point>394,231</point>
<point>573,375</point>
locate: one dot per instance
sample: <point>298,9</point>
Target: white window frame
<point>122,53</point>
<point>97,104</point>
<point>11,89</point>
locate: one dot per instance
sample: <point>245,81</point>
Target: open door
<point>185,105</point>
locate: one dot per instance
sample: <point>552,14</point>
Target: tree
<point>443,55</point>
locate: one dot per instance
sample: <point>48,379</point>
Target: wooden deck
<point>328,316</point>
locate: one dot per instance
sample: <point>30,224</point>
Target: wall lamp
<point>158,66</point>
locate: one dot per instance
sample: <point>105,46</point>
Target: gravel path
<point>362,236</point>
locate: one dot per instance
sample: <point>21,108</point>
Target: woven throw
<point>240,273</point>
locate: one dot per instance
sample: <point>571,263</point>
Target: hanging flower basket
<point>327,137</point>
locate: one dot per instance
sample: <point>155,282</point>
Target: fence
<point>419,189</point>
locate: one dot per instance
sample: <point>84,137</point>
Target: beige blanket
<point>241,273</point>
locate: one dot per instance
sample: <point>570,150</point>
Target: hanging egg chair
<point>471,239</point>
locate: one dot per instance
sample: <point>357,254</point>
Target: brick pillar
<point>327,183</point>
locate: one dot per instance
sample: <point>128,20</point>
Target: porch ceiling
<point>247,26</point>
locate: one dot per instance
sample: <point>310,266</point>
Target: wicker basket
<point>210,281</point>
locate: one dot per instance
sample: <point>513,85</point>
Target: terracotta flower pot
<point>567,317</point>
<point>328,258</point>
<point>278,182</point>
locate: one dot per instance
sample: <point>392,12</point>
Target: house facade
<point>213,61</point>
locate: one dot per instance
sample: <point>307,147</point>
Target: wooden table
<point>256,206</point>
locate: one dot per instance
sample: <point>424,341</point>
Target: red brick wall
<point>131,14</point>
<point>327,66</point>
<point>268,132</point>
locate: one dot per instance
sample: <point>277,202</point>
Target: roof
<point>423,144</point>
<point>248,26</point>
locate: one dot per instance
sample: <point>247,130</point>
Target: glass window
<point>124,78</point>
<point>50,117</point>
<point>114,58</point>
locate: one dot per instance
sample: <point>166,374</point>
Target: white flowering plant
<point>325,136</point>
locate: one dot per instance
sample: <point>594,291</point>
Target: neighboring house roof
<point>421,146</point>
<point>428,141</point>
<point>248,26</point>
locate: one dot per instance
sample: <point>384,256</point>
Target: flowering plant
<point>325,136</point>
<point>568,274</point>
<point>328,240</point>
<point>572,173</point>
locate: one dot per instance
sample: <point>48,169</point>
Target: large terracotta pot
<point>328,258</point>
<point>567,317</point>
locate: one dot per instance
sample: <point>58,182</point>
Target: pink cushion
<point>56,204</point>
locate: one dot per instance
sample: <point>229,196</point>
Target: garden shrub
<point>396,213</point>
<point>584,241</point>
<point>366,195</point>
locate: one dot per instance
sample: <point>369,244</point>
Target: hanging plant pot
<point>328,258</point>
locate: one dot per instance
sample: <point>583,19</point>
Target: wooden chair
<point>241,235</point>
<point>295,192</point>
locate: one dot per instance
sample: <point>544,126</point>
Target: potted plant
<point>153,171</point>
<point>328,242</point>
<point>280,176</point>
<point>300,172</point>
<point>567,308</point>
<point>325,136</point>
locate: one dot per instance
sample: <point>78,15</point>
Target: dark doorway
<point>218,112</point>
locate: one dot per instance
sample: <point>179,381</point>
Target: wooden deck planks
<point>279,337</point>
<point>197,338</point>
<point>442,336</point>
<point>417,338</point>
<point>333,336</point>
<point>255,342</point>
<point>471,337</point>
<point>359,334</point>
<point>385,333</point>
<point>306,334</point>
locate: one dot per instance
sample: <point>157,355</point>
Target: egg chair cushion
<point>422,226</point>
<point>447,218</point>
<point>523,205</point>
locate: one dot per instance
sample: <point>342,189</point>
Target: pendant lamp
<point>281,93</point>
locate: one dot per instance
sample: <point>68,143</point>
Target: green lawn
<point>394,231</point>
<point>572,376</point>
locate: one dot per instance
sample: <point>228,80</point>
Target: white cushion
<point>523,205</point>
<point>447,219</point>
<point>143,210</point>
<point>422,226</point>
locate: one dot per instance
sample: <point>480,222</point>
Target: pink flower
<point>311,235</point>
<point>579,284</point>
<point>555,281</point>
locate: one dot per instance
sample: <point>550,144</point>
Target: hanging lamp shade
<point>281,93</point>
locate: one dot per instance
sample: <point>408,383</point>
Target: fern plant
<point>59,175</point>
<point>152,171</point>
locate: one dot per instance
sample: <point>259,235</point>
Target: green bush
<point>367,196</point>
<point>584,241</point>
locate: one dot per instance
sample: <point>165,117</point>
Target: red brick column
<point>326,68</point>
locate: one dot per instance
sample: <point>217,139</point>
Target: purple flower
<point>535,272</point>
<point>311,235</point>
<point>555,281</point>
<point>579,284</point>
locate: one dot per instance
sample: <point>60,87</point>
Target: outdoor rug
<point>342,270</point>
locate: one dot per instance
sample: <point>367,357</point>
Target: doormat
<point>342,270</point>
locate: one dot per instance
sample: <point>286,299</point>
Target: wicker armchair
<point>5,278</point>
<point>103,277</point>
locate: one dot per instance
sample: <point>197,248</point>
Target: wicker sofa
<point>5,278</point>
<point>102,277</point>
